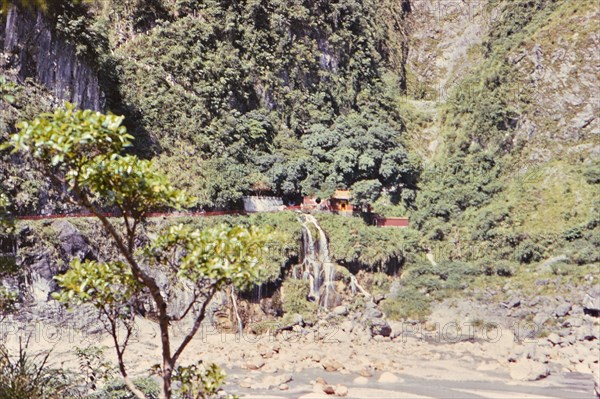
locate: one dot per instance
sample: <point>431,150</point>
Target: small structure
<point>256,203</point>
<point>391,221</point>
<point>340,202</point>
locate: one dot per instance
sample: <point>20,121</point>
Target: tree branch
<point>113,332</point>
<point>196,325</point>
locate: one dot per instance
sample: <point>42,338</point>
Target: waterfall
<point>319,270</point>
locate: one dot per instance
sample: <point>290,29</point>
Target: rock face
<point>37,52</point>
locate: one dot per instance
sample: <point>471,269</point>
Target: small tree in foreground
<point>81,150</point>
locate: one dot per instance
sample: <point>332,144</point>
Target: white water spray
<point>318,268</point>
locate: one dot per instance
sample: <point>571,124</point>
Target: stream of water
<point>319,270</point>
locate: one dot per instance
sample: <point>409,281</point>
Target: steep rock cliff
<point>36,51</point>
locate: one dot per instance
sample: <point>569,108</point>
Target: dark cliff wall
<point>35,51</point>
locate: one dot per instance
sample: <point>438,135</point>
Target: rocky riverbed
<point>363,355</point>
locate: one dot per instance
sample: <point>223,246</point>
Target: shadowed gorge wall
<point>35,51</point>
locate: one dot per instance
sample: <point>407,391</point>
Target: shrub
<point>25,376</point>
<point>561,268</point>
<point>505,269</point>
<point>116,389</point>
<point>295,299</point>
<point>407,304</point>
<point>528,252</point>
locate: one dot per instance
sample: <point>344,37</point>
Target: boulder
<point>540,318</point>
<point>380,327</point>
<point>573,322</point>
<point>586,332</point>
<point>44,266</point>
<point>371,311</point>
<point>512,303</point>
<point>562,310</point>
<point>276,380</point>
<point>72,241</point>
<point>331,365</point>
<point>528,370</point>
<point>554,339</point>
<point>591,302</point>
<point>340,311</point>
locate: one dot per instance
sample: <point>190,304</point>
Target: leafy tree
<point>365,192</point>
<point>81,150</point>
<point>359,148</point>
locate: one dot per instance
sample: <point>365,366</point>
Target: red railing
<point>149,215</point>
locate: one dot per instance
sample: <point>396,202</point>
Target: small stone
<point>331,365</point>
<point>255,365</point>
<point>341,390</point>
<point>361,381</point>
<point>554,339</point>
<point>284,387</point>
<point>276,380</point>
<point>366,372</point>
<point>247,383</point>
<point>573,322</point>
<point>513,302</point>
<point>328,389</point>
<point>388,378</point>
<point>320,380</point>
<point>347,326</point>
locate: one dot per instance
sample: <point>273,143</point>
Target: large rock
<point>340,311</point>
<point>591,302</point>
<point>371,311</point>
<point>562,310</point>
<point>72,241</point>
<point>380,327</point>
<point>44,266</point>
<point>540,318</point>
<point>528,370</point>
<point>587,332</point>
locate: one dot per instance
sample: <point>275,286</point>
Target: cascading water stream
<point>318,268</point>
